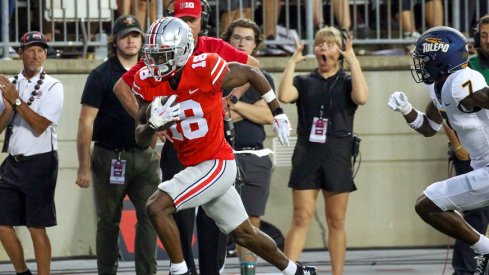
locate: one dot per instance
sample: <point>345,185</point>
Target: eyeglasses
<point>327,45</point>
<point>247,39</point>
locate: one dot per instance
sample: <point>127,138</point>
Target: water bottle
<point>101,50</point>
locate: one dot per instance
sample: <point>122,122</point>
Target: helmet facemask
<point>418,70</point>
<point>161,62</point>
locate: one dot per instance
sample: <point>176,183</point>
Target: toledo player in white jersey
<point>460,96</point>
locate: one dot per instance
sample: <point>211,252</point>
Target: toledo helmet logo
<point>435,44</point>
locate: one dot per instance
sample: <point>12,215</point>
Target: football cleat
<point>305,269</point>
<point>481,265</point>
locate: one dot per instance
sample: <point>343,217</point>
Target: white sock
<point>481,246</point>
<point>290,269</point>
<point>179,268</point>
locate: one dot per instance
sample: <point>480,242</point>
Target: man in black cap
<point>33,101</point>
<point>117,166</point>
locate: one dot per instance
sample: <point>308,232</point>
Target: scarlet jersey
<point>205,45</point>
<point>199,135</point>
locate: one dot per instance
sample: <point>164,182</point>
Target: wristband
<point>418,122</point>
<point>435,126</point>
<point>458,148</point>
<point>269,96</point>
<point>277,111</point>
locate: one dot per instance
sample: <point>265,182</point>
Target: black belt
<point>259,147</point>
<point>22,158</point>
<point>119,149</point>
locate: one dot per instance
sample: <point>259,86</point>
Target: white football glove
<point>163,115</point>
<point>399,102</point>
<point>282,129</point>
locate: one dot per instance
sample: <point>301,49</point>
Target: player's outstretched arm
<point>239,74</point>
<point>426,124</point>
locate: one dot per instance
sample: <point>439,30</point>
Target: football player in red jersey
<point>195,123</point>
<point>211,254</point>
<point>189,11</point>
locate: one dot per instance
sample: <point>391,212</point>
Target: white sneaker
<point>411,35</point>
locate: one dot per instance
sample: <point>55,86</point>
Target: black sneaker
<point>305,269</point>
<point>481,267</point>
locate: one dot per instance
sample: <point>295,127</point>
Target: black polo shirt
<point>248,133</point>
<point>113,126</point>
<point>334,94</point>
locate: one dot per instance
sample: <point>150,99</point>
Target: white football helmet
<point>169,45</point>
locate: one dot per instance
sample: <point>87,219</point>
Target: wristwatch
<point>17,103</point>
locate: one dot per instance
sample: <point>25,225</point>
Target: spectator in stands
<point>249,113</point>
<point>271,14</point>
<point>143,9</point>
<point>231,12</point>
<point>433,12</point>
<point>327,99</point>
<point>341,11</point>
<point>404,15</point>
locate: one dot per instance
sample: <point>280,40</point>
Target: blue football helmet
<point>440,51</point>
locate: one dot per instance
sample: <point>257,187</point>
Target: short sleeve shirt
<point>333,94</point>
<point>47,103</point>
<point>112,119</point>
<point>248,133</point>
<point>472,128</point>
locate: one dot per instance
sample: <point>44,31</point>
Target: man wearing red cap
<point>211,253</point>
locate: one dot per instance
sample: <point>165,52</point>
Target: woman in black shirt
<point>326,100</point>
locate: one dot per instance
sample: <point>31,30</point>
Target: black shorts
<point>27,191</point>
<point>326,166</point>
<point>254,192</point>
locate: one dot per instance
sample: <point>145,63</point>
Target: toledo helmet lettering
<point>439,52</point>
<point>434,45</point>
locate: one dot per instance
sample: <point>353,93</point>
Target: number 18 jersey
<point>199,135</point>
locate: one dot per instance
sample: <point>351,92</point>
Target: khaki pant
<point>141,181</point>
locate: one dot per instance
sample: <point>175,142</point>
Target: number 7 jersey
<point>472,127</point>
<point>199,135</point>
